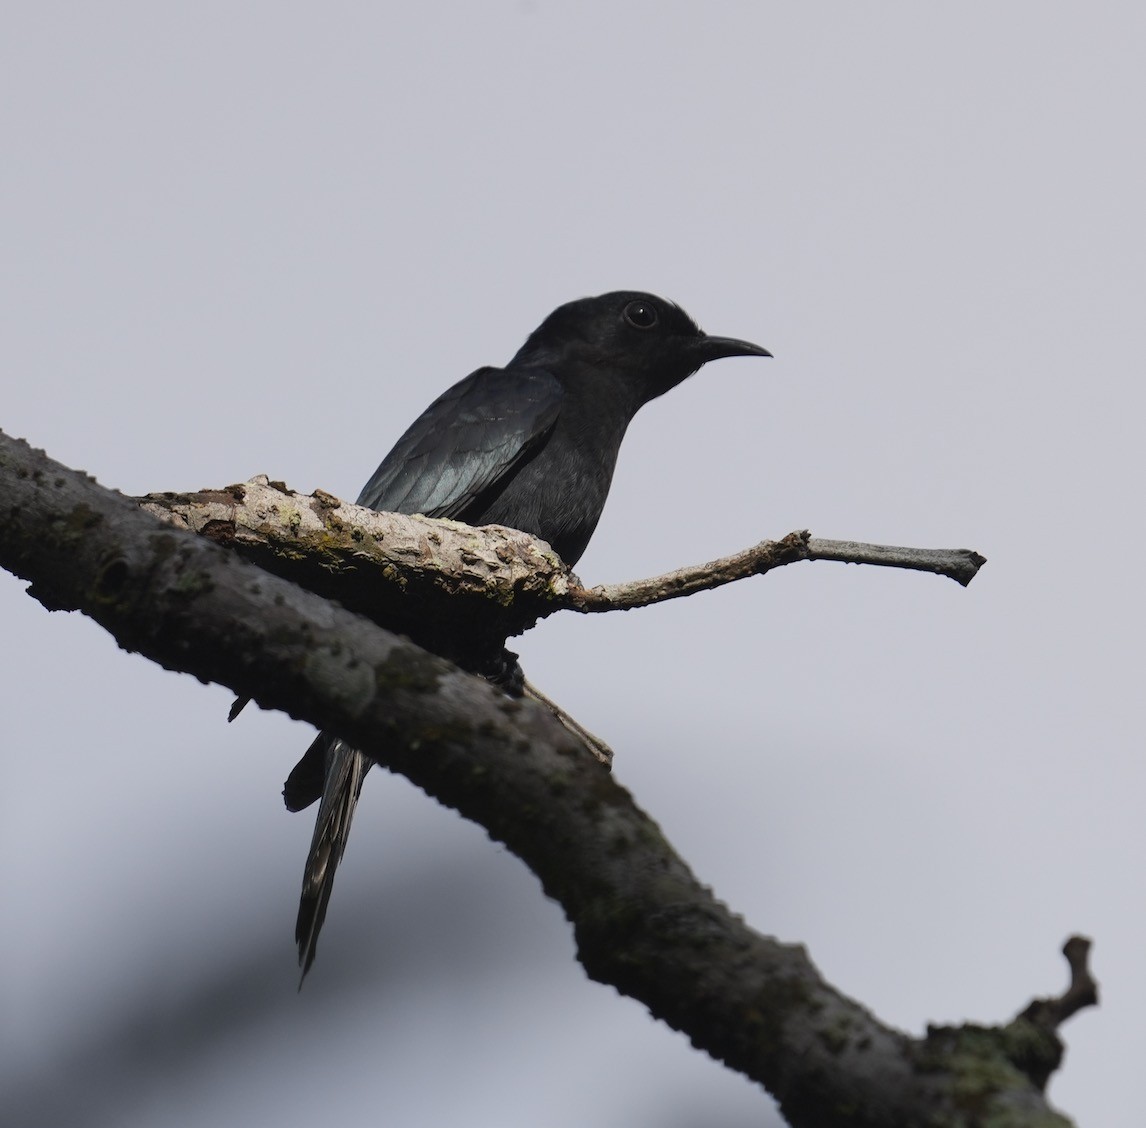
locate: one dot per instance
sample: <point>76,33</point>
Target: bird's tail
<point>345,769</point>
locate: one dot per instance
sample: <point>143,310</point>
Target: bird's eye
<point>641,315</point>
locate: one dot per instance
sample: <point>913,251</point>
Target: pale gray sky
<point>242,238</point>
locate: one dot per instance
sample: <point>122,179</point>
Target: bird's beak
<point>713,348</point>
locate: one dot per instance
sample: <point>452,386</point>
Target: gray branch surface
<point>642,921</point>
<point>406,571</point>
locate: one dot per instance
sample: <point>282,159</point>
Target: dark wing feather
<point>465,441</point>
<point>458,448</point>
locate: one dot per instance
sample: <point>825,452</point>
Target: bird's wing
<point>465,441</point>
<point>463,444</point>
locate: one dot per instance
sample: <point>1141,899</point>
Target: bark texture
<point>642,921</point>
<point>413,572</point>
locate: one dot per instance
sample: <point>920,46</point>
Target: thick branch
<point>642,921</point>
<point>406,571</point>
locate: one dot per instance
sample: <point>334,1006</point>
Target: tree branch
<point>405,570</point>
<point>642,921</point>
<point>960,564</point>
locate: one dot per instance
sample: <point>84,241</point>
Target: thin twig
<point>593,742</point>
<point>960,564</point>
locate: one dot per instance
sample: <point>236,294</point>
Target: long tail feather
<point>346,768</point>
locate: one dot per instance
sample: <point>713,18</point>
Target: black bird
<point>532,446</point>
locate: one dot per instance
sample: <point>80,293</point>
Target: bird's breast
<point>559,493</point>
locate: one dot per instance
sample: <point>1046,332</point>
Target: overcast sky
<point>241,238</point>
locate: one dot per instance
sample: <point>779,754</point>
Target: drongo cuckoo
<point>532,446</point>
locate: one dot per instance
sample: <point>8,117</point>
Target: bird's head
<point>648,343</point>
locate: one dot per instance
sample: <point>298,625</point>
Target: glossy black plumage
<point>532,446</point>
<point>465,443</point>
